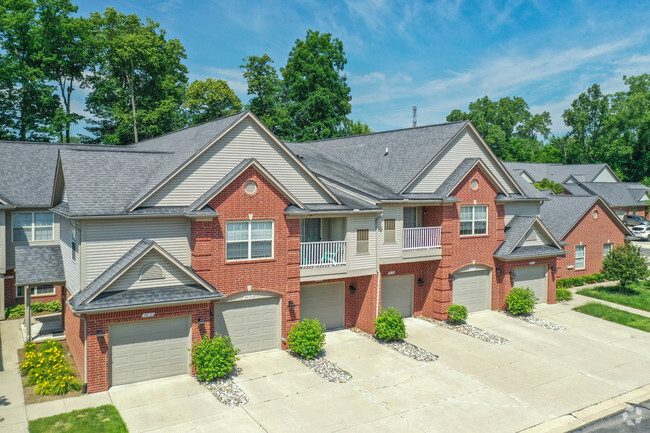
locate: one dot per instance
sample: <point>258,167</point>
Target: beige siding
<point>465,146</point>
<point>246,140</point>
<point>522,208</point>
<point>391,249</point>
<point>605,176</point>
<point>9,236</point>
<point>105,241</point>
<point>361,261</point>
<point>534,238</point>
<point>71,267</point>
<point>525,177</point>
<point>131,278</point>
<point>3,244</point>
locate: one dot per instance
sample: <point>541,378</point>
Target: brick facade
<point>74,335</point>
<point>593,233</point>
<point>10,293</point>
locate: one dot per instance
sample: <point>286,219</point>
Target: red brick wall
<point>74,336</point>
<point>280,275</point>
<point>98,353</point>
<point>10,293</point>
<point>423,296</point>
<point>506,282</point>
<point>593,233</point>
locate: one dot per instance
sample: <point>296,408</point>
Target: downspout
<point>377,261</point>
<point>85,387</point>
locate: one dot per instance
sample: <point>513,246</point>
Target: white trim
<point>474,220</point>
<point>35,287</point>
<point>250,240</point>
<point>584,257</point>
<point>605,249</point>
<point>32,228</point>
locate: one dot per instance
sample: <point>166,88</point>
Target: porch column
<point>28,312</point>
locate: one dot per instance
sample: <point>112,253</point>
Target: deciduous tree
<point>210,99</point>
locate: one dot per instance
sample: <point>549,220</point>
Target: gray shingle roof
<point>514,230</point>
<point>456,176</point>
<point>82,299</point>
<point>39,265</point>
<point>556,172</point>
<point>618,194</point>
<point>561,212</point>
<point>534,251</point>
<point>409,152</point>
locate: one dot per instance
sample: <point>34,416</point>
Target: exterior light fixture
<point>420,282</point>
<point>553,269</point>
<point>452,277</point>
<point>201,321</point>
<point>292,305</point>
<point>100,334</point>
<point>512,274</point>
<point>499,271</point>
<point>352,289</point>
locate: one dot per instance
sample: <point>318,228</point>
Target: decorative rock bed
<point>536,321</point>
<point>226,390</point>
<point>469,330</point>
<point>325,368</point>
<point>407,349</point>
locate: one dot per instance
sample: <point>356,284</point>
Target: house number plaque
<point>145,315</point>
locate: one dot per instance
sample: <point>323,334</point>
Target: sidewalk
<point>581,300</point>
<point>13,417</point>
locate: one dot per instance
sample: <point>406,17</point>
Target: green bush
<point>48,370</point>
<point>456,314</point>
<point>52,306</point>
<point>577,281</point>
<point>625,264</point>
<point>521,300</point>
<point>15,311</point>
<point>599,277</point>
<point>307,338</point>
<point>37,307</point>
<point>214,357</point>
<point>562,294</point>
<point>589,279</point>
<point>560,283</point>
<point>389,326</point>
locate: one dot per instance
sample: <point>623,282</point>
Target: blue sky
<point>436,55</point>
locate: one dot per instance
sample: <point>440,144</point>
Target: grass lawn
<point>102,419</point>
<point>615,315</point>
<point>638,296</point>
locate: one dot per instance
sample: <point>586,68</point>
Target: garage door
<point>535,278</point>
<point>324,302</point>
<point>149,350</point>
<point>397,292</point>
<point>473,290</point>
<point>253,325</point>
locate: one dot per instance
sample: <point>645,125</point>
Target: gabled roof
<point>515,232</point>
<point>456,176</point>
<point>618,194</point>
<point>84,300</point>
<point>37,265</point>
<point>559,173</point>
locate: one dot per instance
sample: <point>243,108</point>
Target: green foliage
<point>545,183</point>
<point>15,311</point>
<point>351,127</point>
<point>307,338</point>
<point>102,419</point>
<point>389,325</point>
<point>456,314</point>
<point>625,264</point>
<point>210,99</point>
<point>48,370</point>
<point>521,300</point>
<point>615,315</point>
<point>562,294</point>
<point>37,307</point>
<point>214,357</point>
<point>265,85</point>
<point>316,92</point>
<point>634,295</point>
<point>580,281</point>
<point>52,306</point>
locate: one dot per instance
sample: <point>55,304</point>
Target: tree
<point>137,80</point>
<point>29,104</point>
<point>64,51</point>
<point>508,126</point>
<point>545,183</point>
<point>210,99</point>
<point>265,85</point>
<point>316,93</point>
<point>351,127</point>
<point>625,264</point>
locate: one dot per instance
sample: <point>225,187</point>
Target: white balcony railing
<point>321,254</point>
<point>421,237</point>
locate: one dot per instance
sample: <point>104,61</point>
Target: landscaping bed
<point>29,391</point>
<point>102,419</point>
<point>469,330</point>
<point>325,368</point>
<point>401,346</point>
<point>226,390</point>
<point>615,315</point>
<point>635,295</point>
<point>536,321</point>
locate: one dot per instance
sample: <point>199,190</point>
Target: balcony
<point>319,259</point>
<point>420,238</point>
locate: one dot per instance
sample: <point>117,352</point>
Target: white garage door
<point>397,292</point>
<point>535,278</point>
<point>473,290</point>
<point>149,350</point>
<point>252,325</point>
<point>324,302</point>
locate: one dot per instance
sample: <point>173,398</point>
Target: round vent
<point>474,184</point>
<point>250,187</point>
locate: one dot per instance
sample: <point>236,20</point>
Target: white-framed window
<point>473,220</point>
<point>32,226</point>
<point>389,231</point>
<point>606,248</point>
<point>363,241</point>
<point>45,289</point>
<point>248,240</point>
<point>580,257</point>
<point>74,243</point>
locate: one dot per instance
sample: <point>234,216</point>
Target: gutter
<point>85,387</point>
<point>332,212</point>
<point>377,262</point>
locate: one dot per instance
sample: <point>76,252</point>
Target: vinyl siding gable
<point>245,140</point>
<point>466,145</point>
<point>522,208</point>
<point>605,176</point>
<point>3,243</point>
<point>130,280</point>
<point>71,267</point>
<point>535,238</point>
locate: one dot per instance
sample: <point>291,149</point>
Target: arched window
<point>152,272</point>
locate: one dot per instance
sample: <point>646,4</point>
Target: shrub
<point>456,314</point>
<point>307,338</point>
<point>577,281</point>
<point>625,264</point>
<point>521,301</point>
<point>37,307</point>
<point>389,325</point>
<point>48,369</point>
<point>561,283</point>
<point>214,357</point>
<point>589,279</point>
<point>52,306</point>
<point>563,294</point>
<point>15,311</point>
<point>599,277</point>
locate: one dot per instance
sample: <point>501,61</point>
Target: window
<point>73,243</point>
<point>410,217</point>
<point>389,231</point>
<point>606,249</point>
<point>362,241</point>
<point>247,240</point>
<point>33,226</point>
<point>310,230</point>
<point>580,257</point>
<point>46,289</point>
<point>473,220</point>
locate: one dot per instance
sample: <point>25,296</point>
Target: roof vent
<point>386,151</point>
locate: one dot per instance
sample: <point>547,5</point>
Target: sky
<point>436,55</point>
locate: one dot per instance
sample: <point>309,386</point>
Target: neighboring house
<point>222,228</point>
<point>622,197</point>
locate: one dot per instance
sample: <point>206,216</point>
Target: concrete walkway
<point>579,300</point>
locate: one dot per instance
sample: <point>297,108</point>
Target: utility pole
<point>415,116</point>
